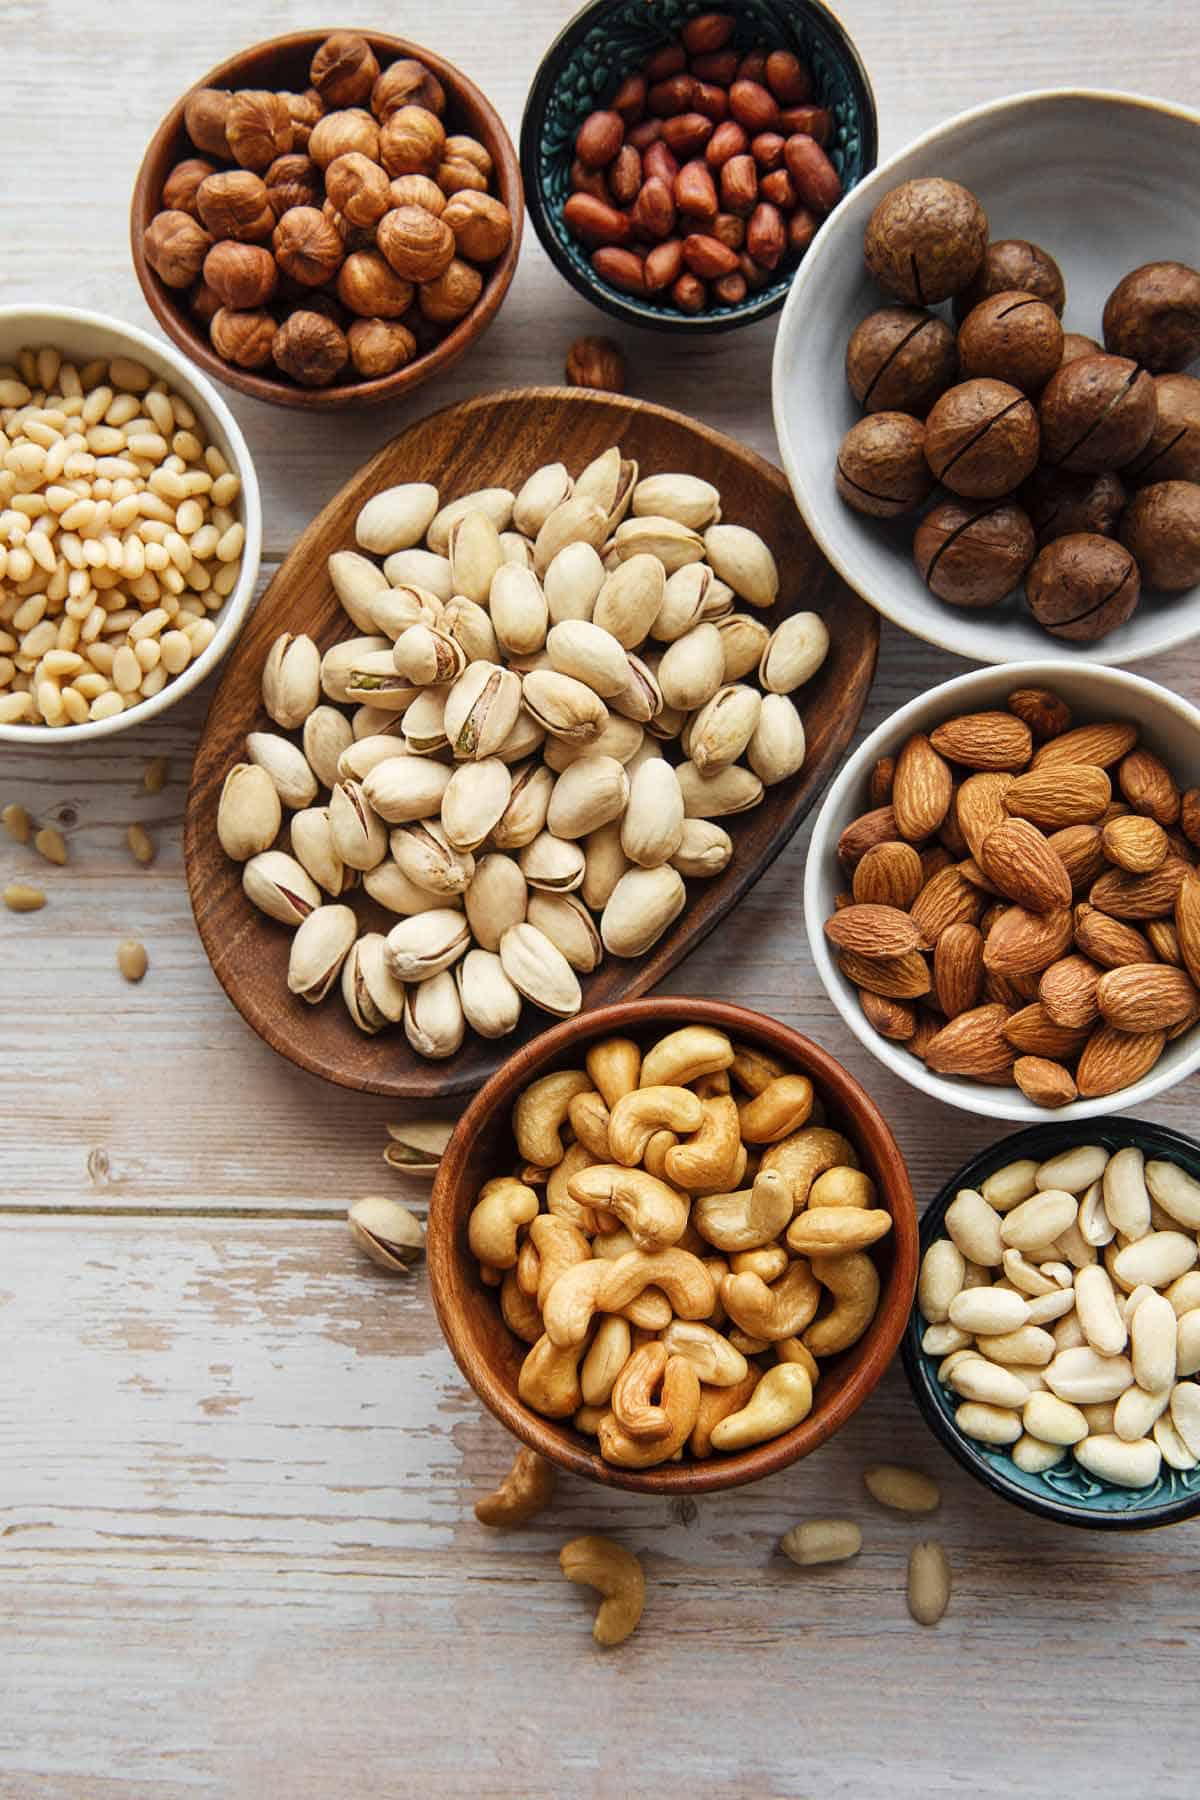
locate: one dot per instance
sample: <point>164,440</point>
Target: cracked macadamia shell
<point>1082,587</point>
<point>881,467</point>
<point>1059,502</point>
<point>900,359</point>
<point>1096,413</point>
<point>1173,453</point>
<point>1161,527</point>
<point>925,240</point>
<point>1014,263</point>
<point>971,553</point>
<point>1153,315</point>
<point>981,439</point>
<point>1013,337</point>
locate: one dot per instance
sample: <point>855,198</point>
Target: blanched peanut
<point>1074,1169</point>
<point>942,1270</point>
<point>1036,1223</point>
<point>1007,1187</point>
<point>1053,1420</point>
<point>975,1229</point>
<point>928,1583</point>
<point>1084,1375</point>
<point>989,1310</point>
<point>1096,1304</point>
<point>990,1424</point>
<point>977,1379</point>
<point>1034,1456</point>
<point>1129,1465</point>
<point>821,1541</point>
<point>901,1489</point>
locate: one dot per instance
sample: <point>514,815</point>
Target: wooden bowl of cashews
<point>672,1245</point>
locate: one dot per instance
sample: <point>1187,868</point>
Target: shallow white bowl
<point>1167,725</point>
<point>83,336</point>
<point>1104,182</point>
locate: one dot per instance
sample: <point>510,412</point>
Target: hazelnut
<point>244,338</point>
<point>1082,587</point>
<point>344,69</point>
<point>234,204</point>
<point>354,237</point>
<point>378,347</point>
<point>925,240</point>
<point>307,246</point>
<point>1014,337</point>
<point>338,133</point>
<point>482,225</point>
<point>407,83</point>
<point>203,304</point>
<point>973,554</point>
<point>411,142</point>
<point>1060,503</point>
<point>305,109</point>
<point>469,149</point>
<point>981,438</point>
<point>313,300</point>
<point>418,190</point>
<point>259,128</point>
<point>900,359</point>
<point>1173,453</point>
<point>292,180</point>
<point>881,467</point>
<point>458,173</point>
<point>418,246</point>
<point>596,362</point>
<point>180,187</point>
<point>1153,315</point>
<point>311,348</point>
<point>1096,413</point>
<point>243,275</point>
<point>175,246</point>
<point>1075,345</point>
<point>205,114</point>
<point>367,286</point>
<point>1161,526</point>
<point>358,188</point>
<point>1012,265</point>
<point>452,294</point>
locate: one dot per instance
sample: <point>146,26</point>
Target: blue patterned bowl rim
<point>1066,1494</point>
<point>807,26</point>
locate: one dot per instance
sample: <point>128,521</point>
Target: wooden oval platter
<point>496,440</point>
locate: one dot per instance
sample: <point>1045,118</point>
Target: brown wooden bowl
<point>490,1356</point>
<point>498,439</point>
<point>283,63</point>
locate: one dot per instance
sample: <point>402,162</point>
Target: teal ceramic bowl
<point>1066,1494</point>
<point>610,39</point>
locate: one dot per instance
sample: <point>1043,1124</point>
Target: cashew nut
<point>651,1310</point>
<point>609,1352</point>
<point>713,1085</point>
<point>632,1402</point>
<point>616,1574</point>
<point>712,1356</point>
<point>519,1310</point>
<point>829,1230</point>
<point>560,1245</point>
<point>679,1399</point>
<point>529,1268</point>
<point>541,1112</point>
<point>747,1219</point>
<point>717,1267</point>
<point>749,1346</point>
<point>791,1350</point>
<point>781,1108</point>
<point>842,1187</point>
<point>717,1404</point>
<point>683,1055</point>
<point>781,1400</point>
<point>588,1418</point>
<point>753,1069</point>
<point>503,1206</point>
<point>588,1116</point>
<point>779,1311</point>
<point>767,1263</point>
<point>525,1490</point>
<point>571,1301</point>
<point>707,1163</point>
<point>681,1276</point>
<point>654,1212</point>
<point>661,1144</point>
<point>853,1280</point>
<point>807,1154</point>
<point>558,1195</point>
<point>490,1277</point>
<point>636,1117</point>
<point>615,1065</point>
<point>532,1174</point>
<point>549,1378</point>
<point>617,1243</point>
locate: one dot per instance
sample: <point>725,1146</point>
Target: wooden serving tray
<point>497,440</point>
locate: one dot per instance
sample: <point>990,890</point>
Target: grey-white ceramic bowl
<point>1102,181</point>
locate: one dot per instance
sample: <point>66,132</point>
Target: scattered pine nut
<point>904,1490</point>
<point>155,778</point>
<point>141,844</point>
<point>132,959</point>
<point>17,823</point>
<point>20,897</point>
<point>928,1583</point>
<point>821,1541</point>
<point>50,843</point>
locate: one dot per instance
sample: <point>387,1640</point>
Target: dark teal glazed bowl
<point>1066,1494</point>
<point>610,39</point>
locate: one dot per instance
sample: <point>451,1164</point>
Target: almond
<point>876,827</point>
<point>1107,941</point>
<point>895,977</point>
<point>1187,925</point>
<point>889,875</point>
<point>1044,712</point>
<point>950,831</point>
<point>1189,816</point>
<point>1010,993</point>
<point>1081,848</point>
<point>985,740</point>
<point>1017,859</point>
<point>1164,940</point>
<point>1149,786</point>
<point>925,1030</point>
<point>1145,996</point>
<point>1023,942</point>
<point>933,861</point>
<point>1034,1033</point>
<point>1067,794</point>
<point>873,930</point>
<point>979,805</point>
<point>890,1018</point>
<point>958,968</point>
<point>1135,843</point>
<point>1112,1059</point>
<point>879,788</point>
<point>1139,896</point>
<point>945,900</point>
<point>1181,847</point>
<point>972,1044</point>
<point>1184,1024</point>
<point>970,871</point>
<point>1099,744</point>
<point>1067,990</point>
<point>1044,1082</point>
<point>921,790</point>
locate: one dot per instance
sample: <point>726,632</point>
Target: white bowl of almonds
<point>130,526</point>
<point>1002,897</point>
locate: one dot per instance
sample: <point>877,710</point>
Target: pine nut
<point>20,897</point>
<point>155,778</point>
<point>821,1541</point>
<point>132,959</point>
<point>17,822</point>
<point>901,1489</point>
<point>50,843</point>
<point>928,1583</point>
<point>141,844</point>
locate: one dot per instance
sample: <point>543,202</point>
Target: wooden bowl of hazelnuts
<point>328,219</point>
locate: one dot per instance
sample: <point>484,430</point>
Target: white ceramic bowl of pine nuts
<point>994,1037</point>
<point>130,526</point>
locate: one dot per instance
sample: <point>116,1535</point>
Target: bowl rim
<point>956,635</point>
<point>169,313</point>
<point>977,1097</point>
<point>232,615</point>
<point>1044,1140</point>
<point>629,308</point>
<point>548,1436</point>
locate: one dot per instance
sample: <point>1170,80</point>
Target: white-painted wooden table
<point>237,1552</point>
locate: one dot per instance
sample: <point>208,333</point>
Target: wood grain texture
<point>498,441</point>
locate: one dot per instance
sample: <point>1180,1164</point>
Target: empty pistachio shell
<point>673,544</point>
<point>394,609</point>
<point>422,569</point>
<point>374,680</point>
<point>692,668</point>
<point>355,580</point>
<point>620,737</point>
<point>490,1002</point>
<point>552,863</point>
<point>743,641</point>
<point>631,598</point>
<point>721,731</point>
<point>427,657</point>
<point>470,626</point>
<point>653,822</point>
<point>390,887</point>
<point>528,804</point>
<point>339,661</point>
<point>286,766</point>
<point>639,909</point>
<point>433,1016</point>
<point>577,521</point>
<point>313,847</point>
<point>590,653</point>
<point>604,864</point>
<point>416,1146</point>
<point>777,747</point>
<point>572,581</point>
<point>587,795</point>
<point>540,971</point>
<point>386,1232</point>
<point>496,898</point>
<point>640,700</point>
<point>374,997</point>
<point>249,813</point>
<point>739,556</point>
<point>518,610</point>
<point>481,709</point>
<point>732,790</point>
<point>497,503</point>
<point>397,518</point>
<point>427,856</point>
<point>400,788</point>
<point>704,849</point>
<point>424,723</point>
<point>278,886</point>
<point>684,498</point>
<point>569,925</point>
<point>327,733</point>
<point>318,950</point>
<point>475,798</point>
<point>545,489</point>
<point>564,706</point>
<point>793,654</point>
<point>422,946</point>
<point>473,546</point>
<point>610,479</point>
<point>291,680</point>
